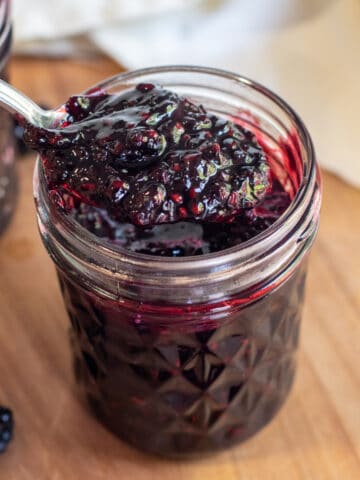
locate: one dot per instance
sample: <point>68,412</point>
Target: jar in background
<point>8,180</point>
<point>181,356</point>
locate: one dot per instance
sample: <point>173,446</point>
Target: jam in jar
<point>180,231</point>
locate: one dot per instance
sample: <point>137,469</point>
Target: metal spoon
<point>22,106</point>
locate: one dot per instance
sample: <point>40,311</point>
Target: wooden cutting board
<point>315,436</point>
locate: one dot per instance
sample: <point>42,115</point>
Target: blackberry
<point>6,428</point>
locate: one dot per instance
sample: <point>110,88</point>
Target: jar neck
<point>248,270</point>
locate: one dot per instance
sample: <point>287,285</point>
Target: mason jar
<point>8,182</point>
<point>182,356</point>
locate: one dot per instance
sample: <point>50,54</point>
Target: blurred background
<point>306,50</point>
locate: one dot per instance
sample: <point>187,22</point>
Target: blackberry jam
<point>184,334</point>
<point>8,182</point>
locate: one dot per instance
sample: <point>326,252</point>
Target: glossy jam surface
<point>185,238</point>
<point>155,173</point>
<point>179,381</point>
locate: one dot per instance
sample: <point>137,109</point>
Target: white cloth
<point>306,50</point>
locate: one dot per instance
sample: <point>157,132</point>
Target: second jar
<point>8,179</point>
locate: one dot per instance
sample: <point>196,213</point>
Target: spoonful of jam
<point>147,156</point>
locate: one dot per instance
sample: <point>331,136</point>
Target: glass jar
<point>8,183</point>
<point>181,356</point>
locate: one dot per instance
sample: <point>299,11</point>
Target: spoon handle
<point>20,105</point>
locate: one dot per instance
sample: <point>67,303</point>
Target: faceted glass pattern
<point>175,389</point>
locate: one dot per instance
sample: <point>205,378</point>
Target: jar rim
<point>111,255</point>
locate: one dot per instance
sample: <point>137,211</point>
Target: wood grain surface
<point>315,436</point>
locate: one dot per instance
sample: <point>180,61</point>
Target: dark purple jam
<point>177,380</point>
<point>156,173</point>
<point>153,172</point>
<point>185,238</point>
